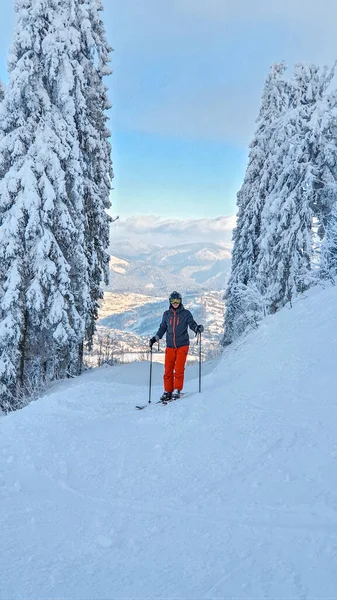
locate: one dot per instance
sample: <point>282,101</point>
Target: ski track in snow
<point>226,494</point>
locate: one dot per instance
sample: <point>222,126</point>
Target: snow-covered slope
<point>226,494</point>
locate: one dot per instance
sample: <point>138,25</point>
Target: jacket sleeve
<point>191,322</point>
<point>162,328</point>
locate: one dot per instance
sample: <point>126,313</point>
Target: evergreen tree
<point>324,147</point>
<point>328,264</point>
<point>285,264</point>
<point>259,179</point>
<point>2,95</point>
<point>91,121</point>
<point>43,267</point>
<point>325,202</point>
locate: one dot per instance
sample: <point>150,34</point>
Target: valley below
<point>137,296</point>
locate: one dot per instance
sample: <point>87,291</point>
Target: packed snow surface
<point>231,493</point>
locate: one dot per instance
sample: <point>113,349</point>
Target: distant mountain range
<point>141,277</point>
<point>134,318</point>
<point>155,270</point>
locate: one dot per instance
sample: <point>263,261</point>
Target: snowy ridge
<point>118,265</point>
<point>138,276</point>
<point>193,266</point>
<point>226,494</point>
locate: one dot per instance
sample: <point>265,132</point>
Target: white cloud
<point>152,230</point>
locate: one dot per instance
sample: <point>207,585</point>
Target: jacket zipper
<point>174,329</point>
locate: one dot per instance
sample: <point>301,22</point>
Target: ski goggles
<point>175,301</point>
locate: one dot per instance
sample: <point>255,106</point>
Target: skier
<point>175,323</point>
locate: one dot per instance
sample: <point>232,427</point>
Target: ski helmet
<point>175,296</point>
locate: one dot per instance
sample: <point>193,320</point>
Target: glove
<point>152,341</point>
<point>200,329</point>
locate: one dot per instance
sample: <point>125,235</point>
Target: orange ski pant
<point>175,359</point>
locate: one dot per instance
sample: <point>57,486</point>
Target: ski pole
<point>150,381</point>
<point>199,362</point>
<point>199,342</point>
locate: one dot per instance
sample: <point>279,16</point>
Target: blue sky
<point>186,88</point>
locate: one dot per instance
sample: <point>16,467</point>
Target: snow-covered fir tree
<point>286,257</point>
<point>44,287</point>
<point>91,122</point>
<point>324,146</point>
<point>243,300</point>
<point>2,95</point>
<point>328,263</point>
<point>287,201</point>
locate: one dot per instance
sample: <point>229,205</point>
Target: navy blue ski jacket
<point>175,323</point>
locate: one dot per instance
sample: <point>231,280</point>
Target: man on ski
<point>175,323</point>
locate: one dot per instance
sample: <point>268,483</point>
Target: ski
<point>172,399</point>
<point>142,406</point>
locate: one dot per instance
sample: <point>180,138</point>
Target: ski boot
<point>175,394</point>
<point>166,397</point>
